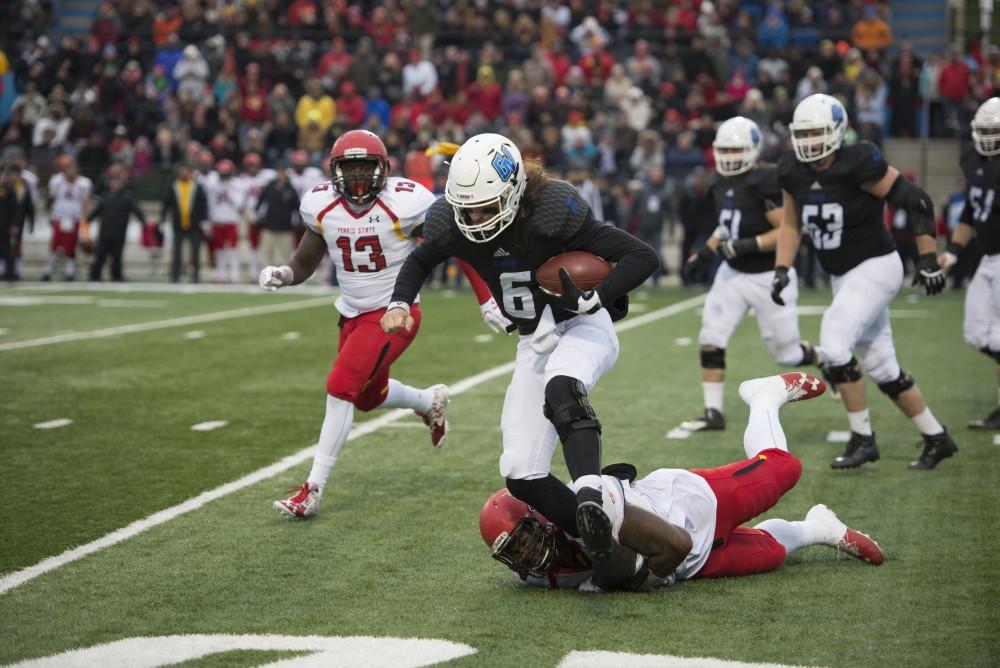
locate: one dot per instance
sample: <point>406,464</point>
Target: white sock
<point>50,264</point>
<point>860,422</point>
<point>763,430</point>
<point>336,427</point>
<point>404,396</point>
<point>927,423</point>
<point>234,265</point>
<point>792,535</point>
<point>589,481</point>
<point>69,269</point>
<point>713,395</point>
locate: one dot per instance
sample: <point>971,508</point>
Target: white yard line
<point>18,578</point>
<point>164,324</point>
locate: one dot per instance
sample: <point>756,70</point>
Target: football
<point>586,269</point>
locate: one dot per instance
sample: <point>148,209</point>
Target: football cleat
<point>713,420</point>
<point>991,421</point>
<point>842,537</point>
<point>936,447</point>
<point>594,526</point>
<point>860,449</point>
<point>785,387</point>
<point>303,504</point>
<point>435,418</point>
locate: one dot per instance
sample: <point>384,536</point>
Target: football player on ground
<point>981,216</point>
<point>836,195</point>
<point>685,524</point>
<point>69,203</point>
<point>748,205</point>
<point>506,218</point>
<point>367,222</point>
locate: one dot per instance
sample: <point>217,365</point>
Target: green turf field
<point>396,551</point>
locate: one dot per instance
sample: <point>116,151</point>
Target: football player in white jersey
<point>367,222</point>
<point>69,202</point>
<point>686,524</point>
<point>225,208</point>
<point>253,180</point>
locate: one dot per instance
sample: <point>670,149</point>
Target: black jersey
<point>982,199</point>
<point>560,221</point>
<point>741,204</point>
<point>845,222</point>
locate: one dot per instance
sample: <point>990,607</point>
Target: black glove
<point>731,248</point>
<point>929,274</point>
<point>572,298</point>
<point>697,262</point>
<point>779,283</point>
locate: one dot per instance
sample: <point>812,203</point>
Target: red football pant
<point>744,490</point>
<point>360,373</point>
<point>254,236</point>
<point>225,235</point>
<point>64,241</point>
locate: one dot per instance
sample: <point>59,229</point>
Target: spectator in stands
<point>191,72</point>
<point>651,207</point>
<point>315,107</point>
<point>420,76</point>
<point>55,119</point>
<point>334,64</point>
<point>773,30</point>
<point>169,54</point>
<point>106,26</point>
<point>637,109</point>
<point>485,94</point>
<point>869,106</point>
<point>648,153</point>
<point>810,84</point>
<point>186,207</point>
<point>954,83</point>
<point>871,32</point>
<point>364,64</point>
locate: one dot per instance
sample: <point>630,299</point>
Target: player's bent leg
<point>747,488</point>
<point>743,551</point>
<point>713,375</point>
<point>549,496</point>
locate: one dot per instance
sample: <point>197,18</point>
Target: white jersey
<point>253,186</point>
<point>69,198</point>
<point>367,247</point>
<point>305,181</point>
<point>225,199</point>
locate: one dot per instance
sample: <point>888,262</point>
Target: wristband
<point>954,248</point>
<point>402,305</point>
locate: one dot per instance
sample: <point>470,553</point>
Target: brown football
<point>586,269</point>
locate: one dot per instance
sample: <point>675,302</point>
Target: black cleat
<point>713,420</point>
<point>991,421</point>
<point>594,526</point>
<point>860,449</point>
<point>936,447</point>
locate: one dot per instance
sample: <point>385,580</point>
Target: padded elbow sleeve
<point>918,205</point>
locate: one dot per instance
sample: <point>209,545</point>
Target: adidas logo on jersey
<point>815,186</point>
<point>500,252</point>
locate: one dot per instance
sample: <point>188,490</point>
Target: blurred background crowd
<point>621,98</point>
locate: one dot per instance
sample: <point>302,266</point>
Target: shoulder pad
<point>863,162</point>
<point>318,198</point>
<point>439,225</point>
<point>786,164</point>
<point>764,181</point>
<point>560,212</point>
<point>406,198</point>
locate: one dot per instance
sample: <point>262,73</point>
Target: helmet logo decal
<point>504,164</point>
<point>754,136</point>
<point>837,113</point>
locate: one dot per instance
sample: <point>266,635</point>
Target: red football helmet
<point>359,165</point>
<point>522,538</point>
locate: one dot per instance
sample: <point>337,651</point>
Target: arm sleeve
<point>415,270</point>
<point>479,286</point>
<point>635,260</point>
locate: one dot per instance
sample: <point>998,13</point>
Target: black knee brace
<point>894,388</point>
<point>566,406</point>
<point>845,373</point>
<point>995,354</point>
<point>713,359</point>
<point>809,356</point>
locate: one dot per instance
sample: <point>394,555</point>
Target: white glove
<point>272,278</point>
<point>494,317</point>
<point>947,260</point>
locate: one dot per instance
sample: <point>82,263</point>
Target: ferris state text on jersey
<point>742,203</point>
<point>845,222</point>
<point>367,247</point>
<point>561,221</point>
<point>982,204</point>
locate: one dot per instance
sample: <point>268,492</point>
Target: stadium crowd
<point>621,98</point>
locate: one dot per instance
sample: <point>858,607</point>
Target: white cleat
<point>435,417</point>
<point>783,388</point>
<point>839,535</point>
<point>301,505</point>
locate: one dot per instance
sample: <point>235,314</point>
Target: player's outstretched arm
<point>304,262</point>
<point>415,270</point>
<point>789,236</point>
<point>665,545</point>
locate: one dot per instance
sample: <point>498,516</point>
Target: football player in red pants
<point>683,524</point>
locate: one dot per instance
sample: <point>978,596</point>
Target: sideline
<point>165,324</point>
<point>18,578</point>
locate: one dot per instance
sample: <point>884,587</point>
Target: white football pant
<point>982,306</point>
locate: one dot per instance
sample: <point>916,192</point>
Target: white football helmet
<point>986,127</point>
<point>818,127</point>
<point>486,171</point>
<point>737,146</point>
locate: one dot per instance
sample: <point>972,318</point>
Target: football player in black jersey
<point>981,216</point>
<point>506,219</point>
<point>836,194</point>
<point>748,205</point>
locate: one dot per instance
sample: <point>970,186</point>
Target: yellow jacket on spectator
<point>326,107</point>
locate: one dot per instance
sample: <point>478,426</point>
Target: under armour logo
<point>373,219</point>
<point>811,381</point>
